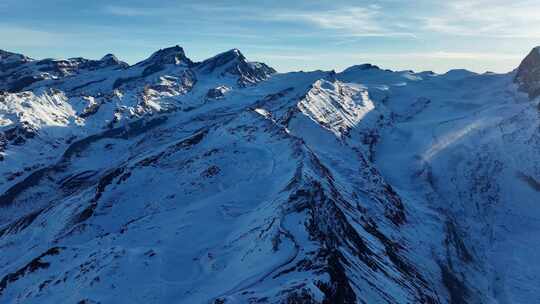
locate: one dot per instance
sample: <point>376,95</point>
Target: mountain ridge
<point>223,181</point>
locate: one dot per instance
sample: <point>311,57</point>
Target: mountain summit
<point>172,55</point>
<point>233,62</point>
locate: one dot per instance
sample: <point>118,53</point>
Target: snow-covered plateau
<point>223,181</point>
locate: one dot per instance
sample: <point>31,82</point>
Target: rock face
<point>217,93</point>
<point>111,60</point>
<point>172,55</point>
<point>528,74</point>
<point>222,181</point>
<point>233,62</point>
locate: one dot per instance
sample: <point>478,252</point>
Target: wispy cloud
<point>132,11</point>
<point>202,11</point>
<point>484,18</point>
<point>482,56</point>
<point>307,34</point>
<point>356,21</point>
<point>468,55</point>
<point>285,57</point>
<point>306,55</point>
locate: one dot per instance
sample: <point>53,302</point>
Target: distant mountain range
<point>223,181</point>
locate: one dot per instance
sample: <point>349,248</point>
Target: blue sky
<point>479,35</point>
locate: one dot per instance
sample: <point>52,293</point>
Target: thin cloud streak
<point>369,21</point>
<point>490,19</point>
<point>479,34</point>
<point>429,55</point>
<point>131,11</point>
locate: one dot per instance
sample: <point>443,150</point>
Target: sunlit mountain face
<point>220,181</point>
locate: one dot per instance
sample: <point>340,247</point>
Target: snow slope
<point>223,181</point>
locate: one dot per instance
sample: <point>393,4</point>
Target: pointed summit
<point>172,55</point>
<point>211,64</point>
<point>233,62</point>
<point>528,74</point>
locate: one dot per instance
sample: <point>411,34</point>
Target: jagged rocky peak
<point>172,55</point>
<point>111,60</point>
<point>528,74</point>
<point>233,62</point>
<point>222,59</point>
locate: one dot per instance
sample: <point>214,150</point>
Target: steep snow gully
<point>223,181</point>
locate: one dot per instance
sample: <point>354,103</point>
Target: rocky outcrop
<point>233,62</point>
<point>528,74</point>
<point>173,55</point>
<point>217,93</point>
<point>111,60</point>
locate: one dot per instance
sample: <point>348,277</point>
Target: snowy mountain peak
<point>233,62</point>
<point>222,59</point>
<point>233,53</point>
<point>172,55</point>
<point>110,60</point>
<point>528,74</point>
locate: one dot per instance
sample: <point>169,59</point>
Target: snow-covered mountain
<point>223,181</point>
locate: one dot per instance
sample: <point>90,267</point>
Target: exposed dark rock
<point>32,266</point>
<point>458,291</point>
<point>192,140</point>
<point>216,93</point>
<point>104,181</point>
<point>528,74</point>
<point>122,80</point>
<point>20,224</point>
<point>19,134</point>
<point>8,197</point>
<point>210,171</point>
<point>529,180</point>
<point>234,63</point>
<point>75,182</point>
<point>111,60</point>
<point>453,238</point>
<point>173,55</point>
